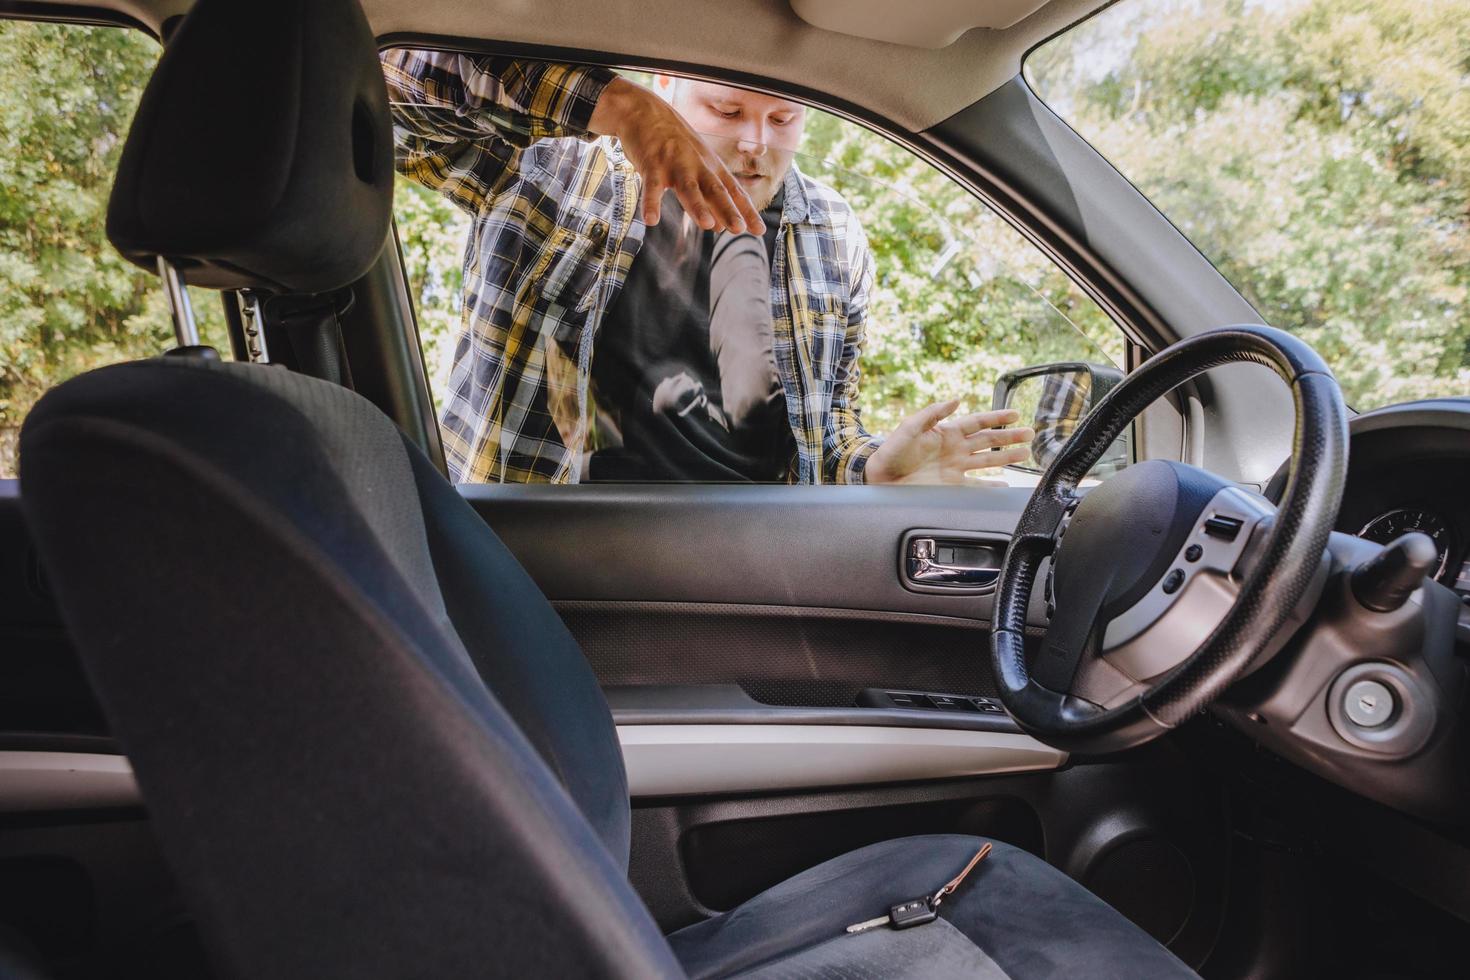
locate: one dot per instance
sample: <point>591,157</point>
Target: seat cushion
<point>1015,916</point>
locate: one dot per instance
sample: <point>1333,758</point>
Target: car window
<point>1317,151</point>
<point>560,353</point>
<point>68,301</point>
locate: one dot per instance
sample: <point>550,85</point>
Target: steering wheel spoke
<point>1189,601</point>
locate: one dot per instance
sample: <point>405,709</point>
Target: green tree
<point>68,301</point>
<point>432,233</point>
<point>1318,151</point>
<point>960,296</point>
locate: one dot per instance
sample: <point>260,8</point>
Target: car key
<point>914,912</point>
<point>917,911</point>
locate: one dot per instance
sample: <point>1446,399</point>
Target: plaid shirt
<point>1064,400</point>
<point>556,229</point>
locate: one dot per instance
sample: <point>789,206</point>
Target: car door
<point>795,670</point>
<point>798,670</point>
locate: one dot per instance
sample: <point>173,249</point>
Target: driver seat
<point>367,743</point>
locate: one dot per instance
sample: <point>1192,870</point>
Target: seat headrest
<point>261,155</point>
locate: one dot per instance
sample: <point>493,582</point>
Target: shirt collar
<point>799,208</point>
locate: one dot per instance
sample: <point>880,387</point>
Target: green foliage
<point>432,233</point>
<point>961,297</point>
<point>1318,151</point>
<point>68,301</point>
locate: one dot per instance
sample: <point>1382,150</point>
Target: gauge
<point>1386,527</point>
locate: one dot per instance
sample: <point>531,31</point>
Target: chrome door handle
<point>955,563</point>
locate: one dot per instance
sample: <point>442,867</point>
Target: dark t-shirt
<point>682,369</point>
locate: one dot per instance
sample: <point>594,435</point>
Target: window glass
<point>68,301</point>
<point>561,351</point>
<point>1317,151</point>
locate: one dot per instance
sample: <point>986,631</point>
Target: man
<point>565,170</point>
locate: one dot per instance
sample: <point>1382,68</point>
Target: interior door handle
<point>952,562</point>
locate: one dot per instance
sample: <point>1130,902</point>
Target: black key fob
<point>914,912</point>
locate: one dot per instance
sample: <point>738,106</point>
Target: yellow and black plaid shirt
<point>1065,399</point>
<point>555,232</point>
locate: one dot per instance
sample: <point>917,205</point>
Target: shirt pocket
<point>827,334</point>
<point>568,287</point>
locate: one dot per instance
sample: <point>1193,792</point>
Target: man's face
<point>755,135</point>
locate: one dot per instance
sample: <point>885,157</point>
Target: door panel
<point>704,608</point>
<point>792,598</point>
<point>832,546</point>
<point>795,594</point>
<point>780,655</point>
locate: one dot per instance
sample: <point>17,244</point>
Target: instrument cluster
<point>1413,476</point>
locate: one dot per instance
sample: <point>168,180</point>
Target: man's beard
<point>763,192</point>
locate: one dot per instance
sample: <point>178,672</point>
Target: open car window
<point>567,344</point>
<point>1316,151</point>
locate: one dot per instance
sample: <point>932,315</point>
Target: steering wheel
<point>1165,582</point>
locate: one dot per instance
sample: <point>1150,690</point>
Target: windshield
<point>1317,151</point>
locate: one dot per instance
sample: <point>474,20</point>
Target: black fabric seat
<point>19,959</point>
<point>370,747</point>
<point>1017,917</point>
<point>367,744</point>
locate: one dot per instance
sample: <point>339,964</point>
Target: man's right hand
<point>669,155</point>
<point>930,447</point>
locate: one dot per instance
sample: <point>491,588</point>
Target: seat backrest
<point>308,644</point>
<point>367,743</point>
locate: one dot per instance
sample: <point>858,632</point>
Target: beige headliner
<point>914,87</point>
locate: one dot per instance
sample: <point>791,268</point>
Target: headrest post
<point>252,316</point>
<point>185,329</point>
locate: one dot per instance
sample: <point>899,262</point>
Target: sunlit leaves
<point>1318,151</point>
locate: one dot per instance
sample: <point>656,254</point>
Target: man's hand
<point>931,447</point>
<point>669,155</point>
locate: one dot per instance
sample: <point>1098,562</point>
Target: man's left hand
<point>931,447</point>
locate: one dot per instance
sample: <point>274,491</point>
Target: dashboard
<point>1371,698</point>
<point>1409,470</point>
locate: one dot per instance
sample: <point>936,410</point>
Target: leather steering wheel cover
<point>1289,560</point>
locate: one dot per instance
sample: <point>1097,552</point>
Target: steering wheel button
<point>1193,553</point>
<point>1173,580</point>
<point>1368,704</point>
<point>1223,527</point>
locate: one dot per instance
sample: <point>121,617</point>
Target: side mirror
<point>1053,399</point>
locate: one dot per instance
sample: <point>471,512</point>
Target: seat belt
<point>303,333</point>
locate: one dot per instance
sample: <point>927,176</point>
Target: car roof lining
<point>912,87</point>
